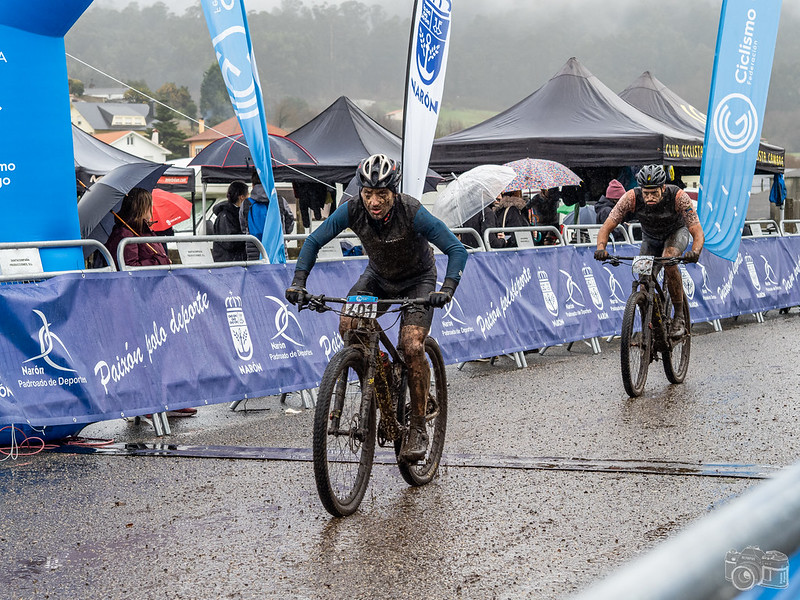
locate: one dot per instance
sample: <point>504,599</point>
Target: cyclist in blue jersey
<point>395,231</point>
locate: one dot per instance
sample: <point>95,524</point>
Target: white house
<point>136,144</point>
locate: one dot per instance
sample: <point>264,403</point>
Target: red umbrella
<point>169,209</point>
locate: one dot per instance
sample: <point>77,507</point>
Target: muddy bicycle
<point>646,325</point>
<point>363,399</point>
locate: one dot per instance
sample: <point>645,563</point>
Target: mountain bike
<point>646,324</point>
<point>363,399</point>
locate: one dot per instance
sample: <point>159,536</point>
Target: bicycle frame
<point>367,335</point>
<point>658,301</point>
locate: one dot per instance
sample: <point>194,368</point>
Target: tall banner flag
<point>742,66</point>
<point>230,36</point>
<point>33,68</point>
<point>427,62</point>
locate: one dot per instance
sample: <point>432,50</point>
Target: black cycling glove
<point>444,295</point>
<point>296,293</point>
<point>601,254</point>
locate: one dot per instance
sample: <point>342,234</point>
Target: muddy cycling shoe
<point>677,328</point>
<point>415,443</point>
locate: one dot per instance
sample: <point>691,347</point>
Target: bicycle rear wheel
<point>676,359</point>
<point>425,470</point>
<point>636,343</point>
<point>343,447</point>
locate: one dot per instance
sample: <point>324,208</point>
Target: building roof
<point>111,136</point>
<point>100,115</point>
<point>229,127</point>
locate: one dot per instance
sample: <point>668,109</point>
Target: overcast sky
<point>179,6</point>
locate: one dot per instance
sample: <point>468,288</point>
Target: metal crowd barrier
<point>574,233</point>
<point>794,223</point>
<point>693,564</point>
<point>37,274</point>
<point>196,255</point>
<point>761,228</point>
<point>330,251</point>
<point>199,259</point>
<point>522,235</point>
<point>524,239</point>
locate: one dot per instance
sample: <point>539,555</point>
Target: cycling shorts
<point>371,284</point>
<point>679,239</point>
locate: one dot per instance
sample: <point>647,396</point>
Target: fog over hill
<point>501,51</point>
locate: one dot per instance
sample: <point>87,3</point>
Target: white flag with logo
<point>427,61</point>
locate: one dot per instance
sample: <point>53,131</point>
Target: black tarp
<point>339,138</point>
<point>574,119</point>
<point>653,98</point>
<point>94,158</point>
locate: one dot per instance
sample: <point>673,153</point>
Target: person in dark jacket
<point>480,222</point>
<point>227,223</point>
<point>133,220</point>
<point>510,211</point>
<point>606,203</point>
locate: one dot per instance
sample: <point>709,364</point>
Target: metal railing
<point>201,264</point>
<point>330,251</point>
<point>523,241</point>
<point>794,222</point>
<point>37,274</point>
<point>761,228</point>
<point>590,231</point>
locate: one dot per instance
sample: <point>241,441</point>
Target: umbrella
<point>233,152</point>
<point>538,174</point>
<point>471,192</point>
<point>169,209</point>
<point>94,208</point>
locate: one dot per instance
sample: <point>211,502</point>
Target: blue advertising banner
<point>230,36</point>
<point>32,57</point>
<point>83,348</point>
<point>739,86</point>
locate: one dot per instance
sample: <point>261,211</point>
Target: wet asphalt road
<point>152,527</point>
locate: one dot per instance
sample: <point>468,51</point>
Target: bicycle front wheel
<point>636,343</point>
<point>676,359</point>
<point>344,442</point>
<point>424,471</point>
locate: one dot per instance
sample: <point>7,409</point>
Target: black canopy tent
<point>94,158</point>
<point>574,119</point>
<point>653,98</point>
<point>339,138</point>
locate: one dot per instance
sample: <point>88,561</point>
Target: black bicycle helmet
<point>379,171</point>
<point>651,176</point>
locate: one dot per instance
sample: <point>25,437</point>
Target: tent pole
<point>194,216</point>
<point>204,209</point>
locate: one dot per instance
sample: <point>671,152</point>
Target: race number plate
<point>642,265</point>
<point>361,306</point>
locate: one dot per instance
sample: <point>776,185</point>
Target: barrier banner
<point>33,63</point>
<point>230,36</point>
<point>82,348</point>
<point>425,72</point>
<point>739,86</point>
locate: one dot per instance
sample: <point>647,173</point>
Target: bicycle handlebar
<point>320,303</point>
<point>666,260</point>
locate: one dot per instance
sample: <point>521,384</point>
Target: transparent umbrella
<point>471,192</point>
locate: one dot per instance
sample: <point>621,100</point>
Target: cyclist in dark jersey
<point>668,219</point>
<point>395,231</point>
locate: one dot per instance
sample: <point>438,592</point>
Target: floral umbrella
<point>538,174</point>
